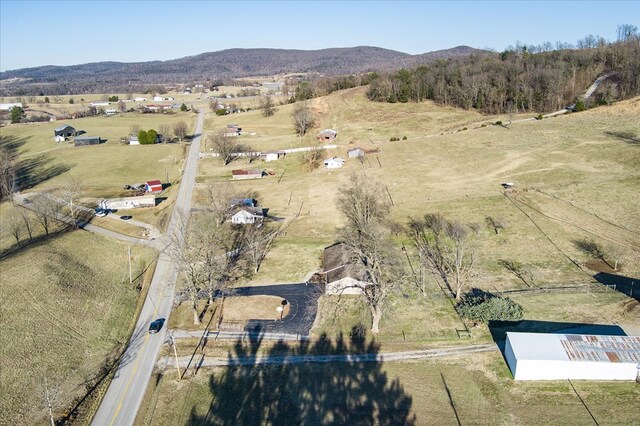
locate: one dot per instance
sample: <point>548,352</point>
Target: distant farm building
<point>247,174</point>
<point>272,155</point>
<point>327,135</point>
<point>128,202</point>
<point>9,107</point>
<point>539,356</point>
<point>153,186</point>
<point>87,140</point>
<point>333,163</point>
<point>341,276</point>
<point>158,99</point>
<point>355,153</point>
<point>110,111</point>
<point>233,130</point>
<point>239,202</point>
<point>246,215</point>
<point>62,133</point>
<point>100,104</point>
<point>140,100</point>
<point>133,140</point>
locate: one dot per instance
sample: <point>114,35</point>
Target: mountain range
<point>224,64</point>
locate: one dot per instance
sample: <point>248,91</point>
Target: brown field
<point>447,391</point>
<point>67,307</point>
<point>573,177</point>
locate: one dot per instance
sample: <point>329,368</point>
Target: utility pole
<point>175,353</point>
<point>130,277</point>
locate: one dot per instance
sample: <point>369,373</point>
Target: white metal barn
<point>539,356</point>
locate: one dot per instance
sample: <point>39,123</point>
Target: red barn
<point>153,186</point>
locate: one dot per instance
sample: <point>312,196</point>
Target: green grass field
<point>67,306</point>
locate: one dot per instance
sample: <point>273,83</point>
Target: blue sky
<point>50,32</point>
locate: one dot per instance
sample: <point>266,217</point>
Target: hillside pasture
<point>573,176</point>
<point>67,310</point>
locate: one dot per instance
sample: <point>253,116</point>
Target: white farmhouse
<point>341,276</point>
<point>247,215</point>
<point>540,356</point>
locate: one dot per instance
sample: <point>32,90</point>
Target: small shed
<point>355,153</point>
<point>247,174</point>
<point>272,155</point>
<point>86,140</point>
<point>66,131</point>
<point>341,276</point>
<point>246,215</point>
<point>133,140</point>
<point>153,186</point>
<point>128,202</point>
<point>327,135</point>
<point>333,163</point>
<point>540,356</point>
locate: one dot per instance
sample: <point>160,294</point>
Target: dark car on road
<point>125,217</point>
<point>156,325</point>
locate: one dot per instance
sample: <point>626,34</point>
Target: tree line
<point>522,78</point>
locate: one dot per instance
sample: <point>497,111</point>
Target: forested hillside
<point>104,77</point>
<point>518,80</point>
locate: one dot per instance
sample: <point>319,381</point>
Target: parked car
<point>156,325</point>
<point>126,217</point>
<point>101,213</point>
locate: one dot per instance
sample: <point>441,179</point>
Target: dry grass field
<point>574,174</point>
<point>67,307</point>
<point>475,390</point>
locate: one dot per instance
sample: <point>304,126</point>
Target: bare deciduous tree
<point>134,130</point>
<point>257,242</point>
<point>267,106</point>
<point>207,255</point>
<point>28,220</point>
<point>303,118</point>
<point>219,197</point>
<point>13,225</point>
<point>7,174</point>
<point>496,224</point>
<point>51,395</point>
<point>165,131</point>
<point>46,210</point>
<point>445,248</point>
<point>180,129</point>
<point>366,239</point>
<point>70,193</point>
<point>226,146</point>
<point>313,159</point>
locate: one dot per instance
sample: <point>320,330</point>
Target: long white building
<point>539,356</point>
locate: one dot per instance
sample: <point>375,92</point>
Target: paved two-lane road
<point>122,400</point>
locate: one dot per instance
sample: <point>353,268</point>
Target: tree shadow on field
<point>30,171</point>
<point>35,170</point>
<point>285,389</point>
<point>627,137</point>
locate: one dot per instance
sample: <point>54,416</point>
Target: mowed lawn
<point>575,177</point>
<point>468,390</point>
<point>103,169</point>
<point>66,306</point>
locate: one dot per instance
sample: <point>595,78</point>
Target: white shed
<point>540,356</point>
<point>128,202</point>
<point>333,163</point>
